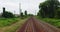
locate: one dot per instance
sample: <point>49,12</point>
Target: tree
<point>6,14</point>
<point>3,11</point>
<point>22,16</point>
<point>58,13</point>
<point>53,5</point>
<point>43,9</point>
<point>25,12</point>
<point>39,13</point>
<point>49,8</point>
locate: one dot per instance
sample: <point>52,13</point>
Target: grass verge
<point>14,27</point>
<point>52,21</point>
<point>7,21</point>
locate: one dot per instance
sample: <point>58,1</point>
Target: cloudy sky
<point>13,5</point>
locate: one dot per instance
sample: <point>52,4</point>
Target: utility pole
<point>35,12</point>
<point>20,8</point>
<point>14,11</point>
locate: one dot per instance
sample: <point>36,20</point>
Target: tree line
<point>49,9</point>
<point>6,14</point>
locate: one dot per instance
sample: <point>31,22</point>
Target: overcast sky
<point>13,5</point>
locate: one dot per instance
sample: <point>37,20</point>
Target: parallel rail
<point>33,25</point>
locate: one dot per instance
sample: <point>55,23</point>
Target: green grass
<point>7,21</point>
<point>11,24</point>
<point>52,21</point>
<point>14,27</point>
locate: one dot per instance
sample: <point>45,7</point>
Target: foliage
<point>58,13</point>
<point>49,8</point>
<point>30,14</point>
<point>7,15</point>
<point>39,14</point>
<point>22,16</point>
<point>26,13</point>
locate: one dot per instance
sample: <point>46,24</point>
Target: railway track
<point>34,25</point>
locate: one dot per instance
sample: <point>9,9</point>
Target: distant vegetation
<point>6,14</point>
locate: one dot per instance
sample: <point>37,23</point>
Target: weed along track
<point>33,25</point>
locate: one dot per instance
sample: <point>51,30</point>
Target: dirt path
<point>33,25</point>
